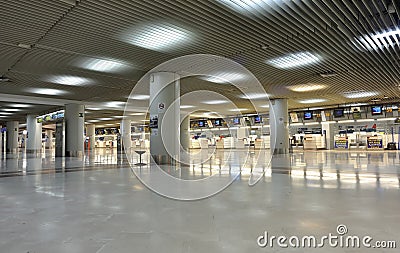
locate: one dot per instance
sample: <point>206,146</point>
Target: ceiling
<point>104,46</point>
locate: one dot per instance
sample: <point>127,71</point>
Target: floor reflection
<point>325,169</point>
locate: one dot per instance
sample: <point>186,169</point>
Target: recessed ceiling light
<point>6,113</point>
<point>69,80</point>
<point>105,118</point>
<point>294,60</point>
<point>244,7</point>
<point>359,94</point>
<point>115,104</point>
<point>119,116</point>
<point>215,102</point>
<point>254,96</point>
<point>224,77</point>
<point>238,109</point>
<point>139,97</point>
<point>3,116</point>
<point>264,106</point>
<point>110,66</point>
<point>158,37</point>
<point>10,110</point>
<point>19,105</point>
<point>137,114</point>
<point>94,108</point>
<point>312,101</point>
<point>44,91</point>
<point>145,120</point>
<point>93,121</point>
<point>379,40</point>
<point>306,87</point>
<point>186,106</point>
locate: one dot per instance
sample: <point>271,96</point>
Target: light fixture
<point>137,114</point>
<point>238,109</point>
<point>45,91</point>
<point>93,121</point>
<point>244,7</point>
<point>158,37</point>
<point>115,104</point>
<point>264,106</point>
<point>312,101</point>
<point>359,94</point>
<point>254,96</point>
<point>294,60</point>
<point>186,106</point>
<point>10,110</point>
<point>101,65</point>
<point>69,80</point>
<point>306,87</point>
<point>4,79</point>
<point>105,118</point>
<point>215,102</point>
<point>379,40</point>
<point>19,105</point>
<point>94,108</point>
<point>224,77</point>
<point>6,113</point>
<point>119,116</point>
<point>139,97</point>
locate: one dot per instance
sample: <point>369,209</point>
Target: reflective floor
<point>97,204</point>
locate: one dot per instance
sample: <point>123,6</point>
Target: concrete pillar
<point>74,129</point>
<point>91,134</point>
<point>49,142</point>
<point>164,117</point>
<point>34,135</point>
<point>1,139</point>
<point>184,134</point>
<point>279,124</point>
<point>329,134</point>
<point>125,129</point>
<point>12,136</point>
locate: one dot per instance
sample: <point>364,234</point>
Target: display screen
<point>376,110</point>
<point>337,113</point>
<point>257,119</point>
<point>308,115</point>
<point>218,122</point>
<point>236,121</point>
<point>201,123</point>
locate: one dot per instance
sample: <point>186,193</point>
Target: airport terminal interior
<point>199,126</point>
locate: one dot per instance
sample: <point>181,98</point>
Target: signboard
<point>293,117</point>
<point>342,143</point>
<point>153,121</point>
<point>161,107</point>
<point>374,142</point>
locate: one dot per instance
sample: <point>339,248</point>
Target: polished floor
<point>100,203</point>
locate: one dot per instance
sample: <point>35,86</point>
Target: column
<point>49,140</point>
<point>1,140</point>
<point>279,123</point>
<point>327,128</point>
<point>91,134</point>
<point>12,136</point>
<point>164,117</point>
<point>185,135</point>
<point>34,135</point>
<point>74,129</point>
<point>125,129</point>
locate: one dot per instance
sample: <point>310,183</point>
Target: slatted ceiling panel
<point>9,54</point>
<point>93,28</point>
<point>25,21</point>
<point>54,63</point>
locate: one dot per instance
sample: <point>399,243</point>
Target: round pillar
<point>125,128</point>
<point>34,135</point>
<point>12,136</point>
<point>91,134</point>
<point>184,134</point>
<point>164,117</point>
<point>74,129</point>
